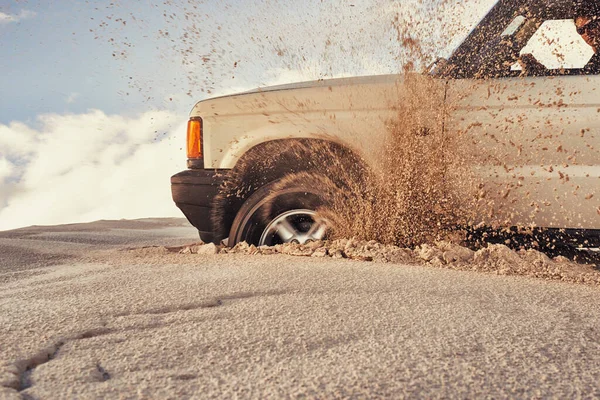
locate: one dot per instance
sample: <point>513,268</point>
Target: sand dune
<point>111,309</point>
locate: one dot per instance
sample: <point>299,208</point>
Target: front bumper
<point>194,191</point>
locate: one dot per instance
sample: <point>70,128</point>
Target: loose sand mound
<point>496,259</point>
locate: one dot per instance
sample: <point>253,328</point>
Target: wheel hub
<point>295,226</point>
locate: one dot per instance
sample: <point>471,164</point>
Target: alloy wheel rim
<point>295,226</point>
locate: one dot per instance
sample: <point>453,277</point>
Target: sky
<point>95,94</point>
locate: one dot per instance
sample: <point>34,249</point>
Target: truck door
<point>533,137</point>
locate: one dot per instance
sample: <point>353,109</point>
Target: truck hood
<point>330,94</point>
<point>355,80</point>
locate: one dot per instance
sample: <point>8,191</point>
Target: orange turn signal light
<point>194,138</point>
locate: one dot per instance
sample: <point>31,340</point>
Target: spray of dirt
<point>212,47</point>
<point>423,191</point>
<point>424,188</point>
<point>418,195</point>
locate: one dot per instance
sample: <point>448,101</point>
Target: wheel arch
<point>273,160</point>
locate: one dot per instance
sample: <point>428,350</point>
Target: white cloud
<point>23,14</point>
<point>6,169</point>
<point>77,168</point>
<point>16,140</point>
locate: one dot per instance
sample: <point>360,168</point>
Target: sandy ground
<point>80,317</point>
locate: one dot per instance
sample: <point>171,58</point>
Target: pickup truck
<point>537,121</point>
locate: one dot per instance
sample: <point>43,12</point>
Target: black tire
<point>266,204</point>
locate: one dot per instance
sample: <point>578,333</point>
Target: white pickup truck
<point>539,124</point>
